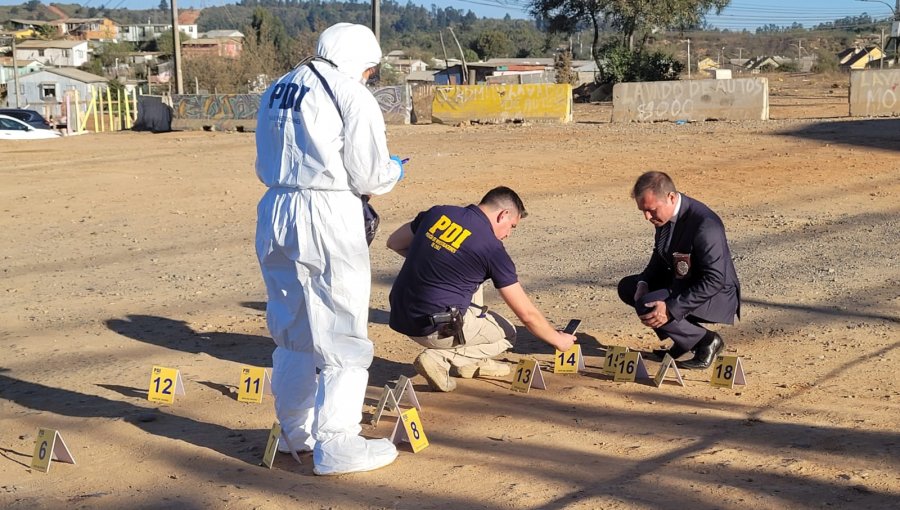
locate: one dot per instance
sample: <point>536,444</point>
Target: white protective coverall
<point>312,249</point>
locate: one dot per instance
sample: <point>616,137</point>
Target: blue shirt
<point>453,251</point>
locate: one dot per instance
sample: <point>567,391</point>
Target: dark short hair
<point>504,198</point>
<point>658,182</point>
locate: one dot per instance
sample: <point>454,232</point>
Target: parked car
<point>30,117</point>
<point>15,129</point>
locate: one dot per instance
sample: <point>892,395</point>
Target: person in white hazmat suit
<point>321,144</point>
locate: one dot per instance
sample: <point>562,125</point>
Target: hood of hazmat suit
<point>352,48</point>
<point>317,158</point>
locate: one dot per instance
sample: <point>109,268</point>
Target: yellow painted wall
<point>875,54</point>
<point>541,102</point>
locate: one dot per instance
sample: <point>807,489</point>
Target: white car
<point>15,129</point>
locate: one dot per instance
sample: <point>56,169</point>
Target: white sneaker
<point>374,454</point>
<point>484,368</point>
<point>434,372</point>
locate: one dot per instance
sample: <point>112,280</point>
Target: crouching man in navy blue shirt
<point>436,299</point>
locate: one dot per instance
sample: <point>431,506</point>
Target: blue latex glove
<point>400,162</point>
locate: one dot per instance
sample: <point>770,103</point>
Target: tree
<point>163,5</point>
<point>492,43</point>
<point>165,43</point>
<point>629,18</point>
<point>266,32</point>
<point>562,64</point>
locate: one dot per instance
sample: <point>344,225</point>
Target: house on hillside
<point>146,32</point>
<point>213,34</point>
<point>420,77</point>
<point>705,64</point>
<point>187,22</point>
<point>860,58</point>
<point>401,63</point>
<point>34,25</point>
<point>45,90</point>
<point>215,47</point>
<point>762,64</point>
<point>54,53</point>
<point>22,66</point>
<point>89,29</point>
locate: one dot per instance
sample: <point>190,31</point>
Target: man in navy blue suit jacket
<point>690,279</point>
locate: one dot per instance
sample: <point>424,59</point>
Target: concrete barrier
<point>395,102</point>
<point>694,100</point>
<point>237,112</point>
<point>221,112</point>
<point>875,93</point>
<point>502,103</point>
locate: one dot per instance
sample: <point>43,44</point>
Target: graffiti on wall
<point>238,111</point>
<point>395,103</point>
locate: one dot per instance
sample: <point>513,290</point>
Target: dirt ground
<point>127,250</point>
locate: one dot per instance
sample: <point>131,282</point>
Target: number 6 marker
<point>49,445</point>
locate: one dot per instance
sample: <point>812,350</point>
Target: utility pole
<point>465,77</point>
<point>740,53</point>
<point>179,80</point>
<point>688,41</point>
<point>15,72</point>
<point>444,48</point>
<point>376,19</point>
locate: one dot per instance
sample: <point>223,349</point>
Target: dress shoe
<point>705,353</point>
<point>676,351</point>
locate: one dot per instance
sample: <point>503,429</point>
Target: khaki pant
<point>487,335</point>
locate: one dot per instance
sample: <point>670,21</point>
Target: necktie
<point>662,240</point>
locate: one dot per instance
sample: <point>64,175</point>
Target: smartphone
<point>572,326</point>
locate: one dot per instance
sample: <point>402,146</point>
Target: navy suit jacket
<point>710,290</point>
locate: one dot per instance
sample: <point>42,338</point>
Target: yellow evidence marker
<point>49,445</point>
<point>667,363</point>
<point>614,355</point>
<point>272,445</point>
<point>253,383</point>
<point>568,362</point>
<point>727,371</point>
<point>527,374</point>
<point>630,368</point>
<point>411,431</point>
<point>165,383</point>
<point>275,436</point>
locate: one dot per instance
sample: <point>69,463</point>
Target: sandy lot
<point>121,251</point>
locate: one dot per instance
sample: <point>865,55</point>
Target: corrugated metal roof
<point>50,44</point>
<point>8,61</point>
<point>75,74</point>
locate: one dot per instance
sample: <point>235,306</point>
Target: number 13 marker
<point>527,374</point>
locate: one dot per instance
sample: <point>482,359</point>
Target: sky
<point>738,15</point>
